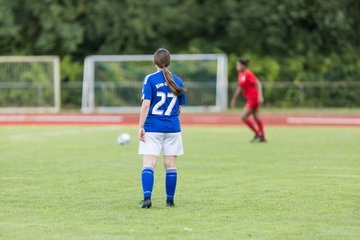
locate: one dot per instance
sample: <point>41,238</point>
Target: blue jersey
<point>164,109</point>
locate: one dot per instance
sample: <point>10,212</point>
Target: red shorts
<point>252,105</point>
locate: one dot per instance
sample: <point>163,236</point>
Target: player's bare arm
<point>235,97</point>
<point>259,87</point>
<point>143,115</point>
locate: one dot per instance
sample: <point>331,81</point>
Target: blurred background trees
<point>287,40</point>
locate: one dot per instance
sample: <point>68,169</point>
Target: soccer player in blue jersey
<point>159,126</point>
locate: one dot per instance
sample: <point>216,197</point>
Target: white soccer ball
<point>123,139</point>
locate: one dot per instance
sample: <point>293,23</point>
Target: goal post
<point>113,83</point>
<point>29,84</point>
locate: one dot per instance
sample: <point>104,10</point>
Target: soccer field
<point>77,183</point>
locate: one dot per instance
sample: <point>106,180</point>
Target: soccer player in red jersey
<point>252,91</point>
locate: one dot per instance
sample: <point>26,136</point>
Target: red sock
<point>261,128</point>
<point>251,125</point>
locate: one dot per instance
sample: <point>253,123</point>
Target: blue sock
<point>171,176</point>
<point>147,179</point>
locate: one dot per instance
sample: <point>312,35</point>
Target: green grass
<point>77,183</point>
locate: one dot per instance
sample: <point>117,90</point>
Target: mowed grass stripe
<point>80,184</point>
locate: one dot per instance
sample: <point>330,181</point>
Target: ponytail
<point>162,60</point>
<point>174,88</point>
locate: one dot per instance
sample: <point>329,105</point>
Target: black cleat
<point>257,138</point>
<point>146,203</point>
<point>170,203</point>
<point>262,140</point>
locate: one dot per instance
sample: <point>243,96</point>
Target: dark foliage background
<point>287,40</point>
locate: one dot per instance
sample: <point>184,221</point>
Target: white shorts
<point>170,144</point>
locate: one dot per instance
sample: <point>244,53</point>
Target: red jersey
<point>248,83</point>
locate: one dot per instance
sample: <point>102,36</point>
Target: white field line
<point>336,176</point>
<point>323,120</point>
<point>340,168</point>
<point>58,133</point>
<point>61,118</point>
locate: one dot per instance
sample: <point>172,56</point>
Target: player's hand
<point>142,134</point>
<point>233,103</point>
<point>261,100</point>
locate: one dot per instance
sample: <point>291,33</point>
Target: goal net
<point>113,83</point>
<point>29,84</point>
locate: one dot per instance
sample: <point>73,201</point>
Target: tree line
<point>286,40</point>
